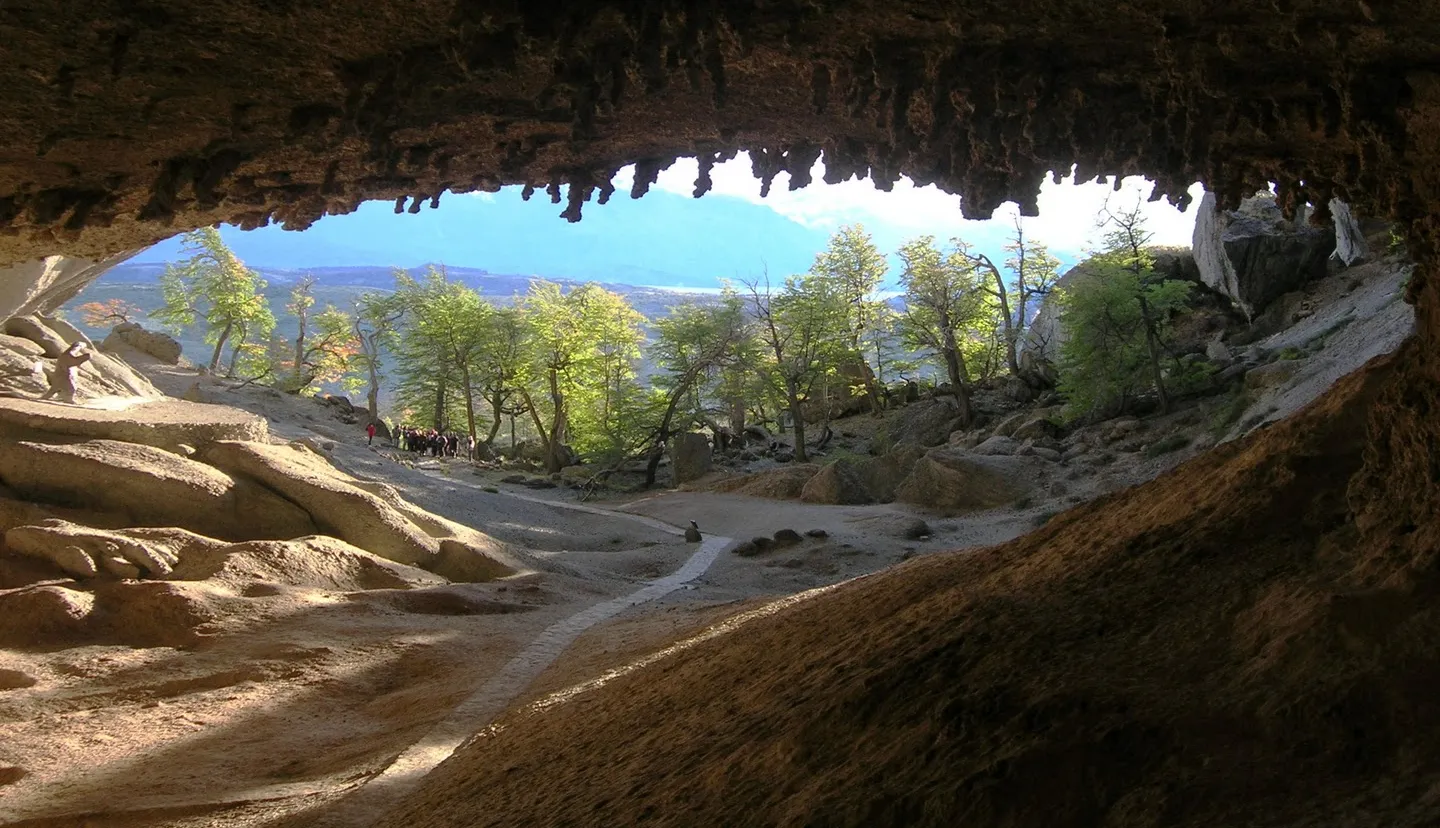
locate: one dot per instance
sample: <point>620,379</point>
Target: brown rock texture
<point>127,122</point>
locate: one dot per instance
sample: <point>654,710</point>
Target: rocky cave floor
<point>271,690</point>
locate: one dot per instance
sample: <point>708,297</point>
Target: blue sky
<point>670,239</point>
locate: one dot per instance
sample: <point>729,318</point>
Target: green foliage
<point>1289,353</point>
<point>950,315</point>
<point>324,345</point>
<point>437,345</point>
<point>580,383</point>
<point>854,268</point>
<point>1117,320</point>
<point>214,289</point>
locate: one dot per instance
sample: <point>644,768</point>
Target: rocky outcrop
<point>851,481</point>
<point>337,507</point>
<point>173,425</point>
<point>44,285</point>
<point>149,487</point>
<point>1350,245</point>
<point>1254,254</point>
<point>689,457</point>
<point>926,423</point>
<point>956,482</point>
<point>132,336</point>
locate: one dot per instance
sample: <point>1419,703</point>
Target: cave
<point>1248,639</point>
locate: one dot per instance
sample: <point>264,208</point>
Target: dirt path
<point>365,805</point>
<point>316,707</point>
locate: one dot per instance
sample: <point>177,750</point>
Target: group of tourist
<point>437,444</point>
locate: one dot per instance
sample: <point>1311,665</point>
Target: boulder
<point>923,424</point>
<point>150,487</point>
<point>338,507</point>
<point>785,483</point>
<point>51,344</point>
<point>855,481</point>
<point>954,482</point>
<point>997,445</point>
<point>842,483</point>
<point>689,457</point>
<point>1038,424</point>
<point>1274,375</point>
<point>163,423</point>
<point>1253,254</point>
<point>162,347</point>
<point>65,330</point>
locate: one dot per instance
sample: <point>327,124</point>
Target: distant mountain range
<point>663,239</point>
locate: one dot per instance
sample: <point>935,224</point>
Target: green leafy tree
<point>692,346</point>
<point>324,342</point>
<point>501,364</point>
<point>948,312</point>
<point>855,269</point>
<point>803,330</point>
<point>213,288</point>
<point>439,346</point>
<point>1117,319</point>
<point>582,349</point>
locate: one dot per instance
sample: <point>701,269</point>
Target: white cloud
<point>1067,220</point>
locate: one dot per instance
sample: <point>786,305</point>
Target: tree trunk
<point>301,315</point>
<point>559,427</point>
<point>439,406</point>
<point>220,347</point>
<point>797,427</point>
<point>469,399</point>
<point>372,397</point>
<point>1012,335</point>
<point>1152,343</point>
<point>495,405</point>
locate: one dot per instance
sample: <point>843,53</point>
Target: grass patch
<point>1289,353</point>
<point>1165,445</point>
<point>491,490</point>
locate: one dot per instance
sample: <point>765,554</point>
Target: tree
<point>1116,317</point>
<point>438,347</point>
<point>948,311</point>
<point>213,288</point>
<point>803,329</point>
<point>374,323</point>
<point>693,344</point>
<point>501,364</point>
<point>1033,273</point>
<point>575,338</point>
<point>855,268</point>
<point>324,343</point>
<point>108,312</point>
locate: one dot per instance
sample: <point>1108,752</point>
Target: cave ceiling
<point>125,121</point>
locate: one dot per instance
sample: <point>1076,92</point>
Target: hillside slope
<point>1246,640</point>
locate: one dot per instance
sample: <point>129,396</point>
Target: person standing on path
<point>370,434</point>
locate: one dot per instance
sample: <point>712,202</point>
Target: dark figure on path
<point>62,379</point>
<point>692,533</point>
<point>370,434</point>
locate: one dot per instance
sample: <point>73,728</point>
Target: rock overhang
<point>127,123</point>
